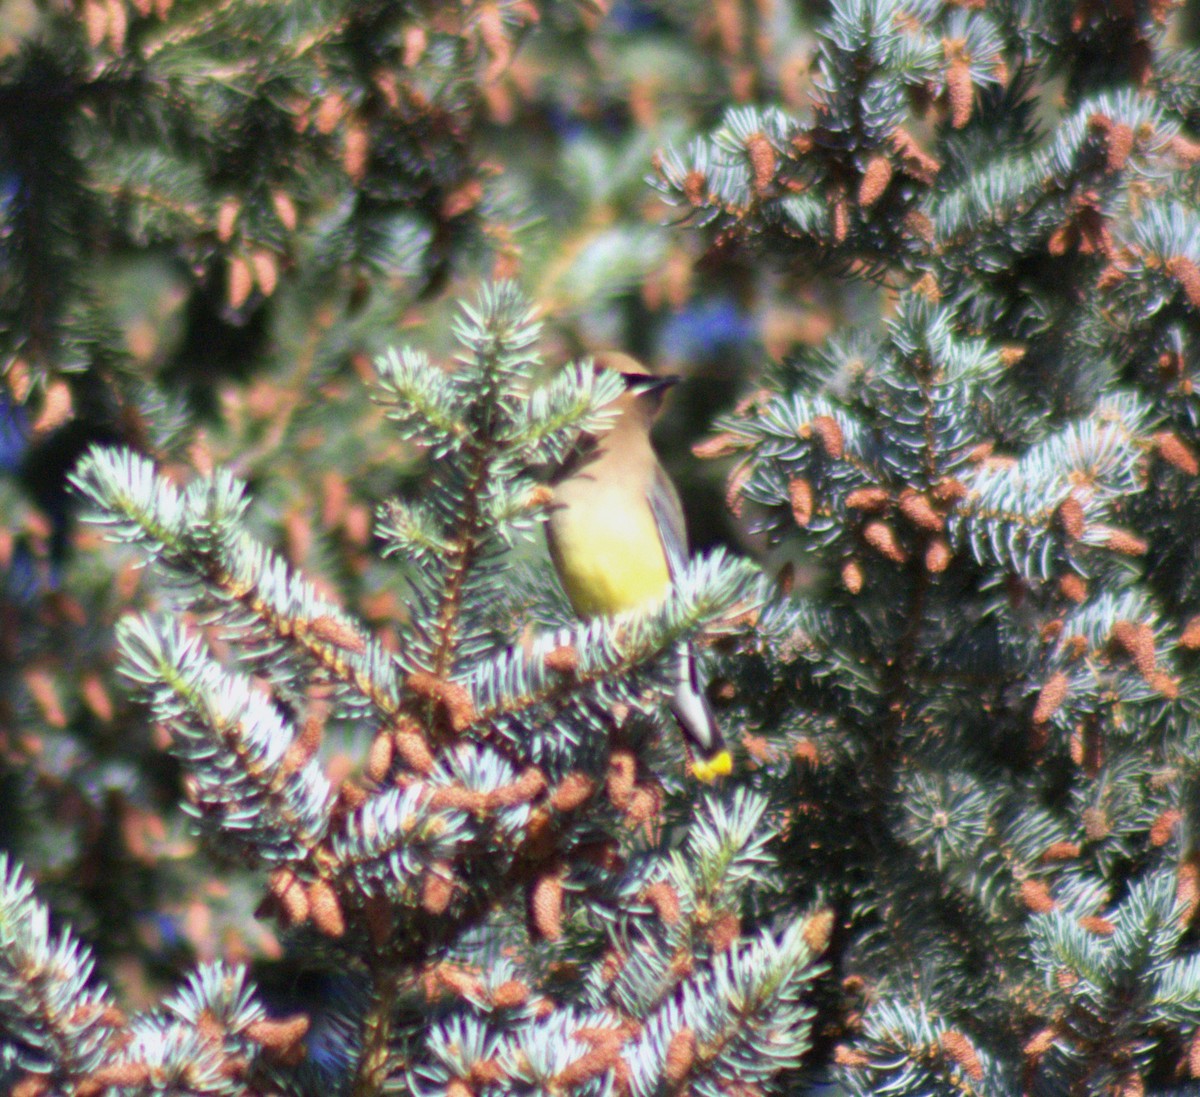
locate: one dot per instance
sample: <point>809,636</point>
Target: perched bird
<point>617,539</point>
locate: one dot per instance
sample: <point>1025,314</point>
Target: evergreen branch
<point>69,1035</point>
<point>136,504</point>
<point>256,789</point>
<point>496,336</point>
<point>50,1011</point>
<point>420,400</point>
<point>1025,196</point>
<point>161,199</point>
<point>603,652</point>
<point>577,401</point>
<point>470,535</point>
<point>333,644</point>
<point>213,1031</point>
<point>907,1052</point>
<point>204,20</point>
<point>152,182</point>
<point>375,1060</point>
<point>413,532</point>
<point>220,993</point>
<point>1175,996</point>
<point>689,902</point>
<point>726,848</point>
<point>216,569</point>
<point>560,1053</point>
<point>484,427</point>
<point>390,844</point>
<point>1107,972</point>
<point>1017,514</point>
<point>766,1030</point>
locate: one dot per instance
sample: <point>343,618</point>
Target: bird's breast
<point>607,549</point>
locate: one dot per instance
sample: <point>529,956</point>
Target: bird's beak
<point>649,383</point>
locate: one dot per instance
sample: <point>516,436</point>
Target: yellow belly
<point>609,556</point>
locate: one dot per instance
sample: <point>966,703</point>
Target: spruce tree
<point>982,697</point>
<point>957,852</point>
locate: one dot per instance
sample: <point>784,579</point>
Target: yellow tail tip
<point>709,769</point>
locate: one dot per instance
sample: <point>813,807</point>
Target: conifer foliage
<point>501,875</point>
<point>985,700</point>
<point>212,216</point>
<point>957,854</point>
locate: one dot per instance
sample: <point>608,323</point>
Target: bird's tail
<point>695,715</point>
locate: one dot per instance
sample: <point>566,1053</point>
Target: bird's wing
<point>668,517</point>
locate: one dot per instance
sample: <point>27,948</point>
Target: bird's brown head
<point>644,391</point>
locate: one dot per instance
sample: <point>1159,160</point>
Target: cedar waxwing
<point>617,539</point>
